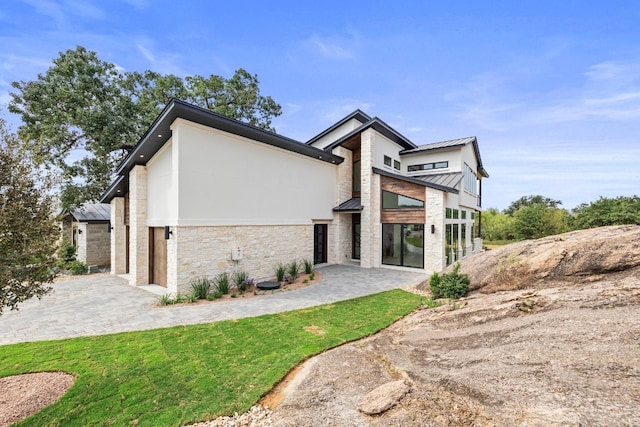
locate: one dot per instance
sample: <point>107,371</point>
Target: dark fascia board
<point>415,181</point>
<point>359,115</point>
<point>151,142</point>
<point>476,149</point>
<point>380,127</point>
<point>160,131</point>
<point>118,188</point>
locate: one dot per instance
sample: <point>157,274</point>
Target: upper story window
<point>470,180</point>
<point>356,176</point>
<point>428,166</point>
<point>387,161</point>
<point>398,201</point>
<point>396,165</point>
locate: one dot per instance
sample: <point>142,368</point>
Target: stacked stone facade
<point>206,251</point>
<point>139,232</point>
<point>118,237</point>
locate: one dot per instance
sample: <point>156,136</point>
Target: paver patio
<point>103,304</point>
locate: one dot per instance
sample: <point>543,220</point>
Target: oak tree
<point>84,115</point>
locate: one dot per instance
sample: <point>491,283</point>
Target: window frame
<point>420,206</point>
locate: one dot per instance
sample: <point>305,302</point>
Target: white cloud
<point>164,63</point>
<point>334,47</point>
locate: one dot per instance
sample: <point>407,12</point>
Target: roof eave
<point>416,181</point>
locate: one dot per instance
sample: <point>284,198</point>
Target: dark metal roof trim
<point>118,188</point>
<point>450,144</point>
<point>415,181</point>
<point>351,205</point>
<point>379,126</point>
<point>359,115</point>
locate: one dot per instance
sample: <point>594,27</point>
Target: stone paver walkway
<point>103,304</point>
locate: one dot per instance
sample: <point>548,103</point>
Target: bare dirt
<point>562,349</point>
<point>24,395</point>
<point>550,336</point>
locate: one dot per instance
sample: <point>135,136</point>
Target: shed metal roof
<point>416,181</point>
<point>451,179</point>
<point>91,212</point>
<point>350,205</point>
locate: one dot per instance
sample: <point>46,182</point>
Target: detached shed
<point>88,227</point>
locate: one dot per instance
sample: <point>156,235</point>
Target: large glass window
<point>356,176</point>
<point>451,246</point>
<point>470,180</point>
<point>403,245</point>
<point>398,201</point>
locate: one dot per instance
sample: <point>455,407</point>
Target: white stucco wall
<point>225,179</point>
<point>162,204</point>
<point>386,147</point>
<point>337,133</point>
<point>451,156</point>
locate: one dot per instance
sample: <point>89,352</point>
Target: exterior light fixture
<point>167,232</point>
<point>79,231</point>
<point>433,229</point>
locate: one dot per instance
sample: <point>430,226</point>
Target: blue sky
<point>551,89</point>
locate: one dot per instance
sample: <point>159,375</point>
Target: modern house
<point>201,193</point>
<point>87,228</point>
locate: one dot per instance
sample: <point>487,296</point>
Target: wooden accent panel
<point>157,256</point>
<point>402,216</point>
<point>357,153</point>
<point>409,189</point>
<point>126,209</point>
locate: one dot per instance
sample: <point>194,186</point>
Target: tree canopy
<point>606,211</point>
<point>526,201</point>
<point>84,115</point>
<point>28,232</point>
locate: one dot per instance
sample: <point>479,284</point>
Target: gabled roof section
<point>415,180</point>
<point>380,127</point>
<point>91,212</point>
<point>160,131</point>
<point>359,115</point>
<point>447,145</point>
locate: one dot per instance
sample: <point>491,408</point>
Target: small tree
<point>28,231</point>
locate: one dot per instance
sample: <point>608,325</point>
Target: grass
<point>173,376</point>
<point>494,244</point>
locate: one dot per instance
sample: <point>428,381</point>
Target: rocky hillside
<point>579,256</point>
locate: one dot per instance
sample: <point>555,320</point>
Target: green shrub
<point>281,269</point>
<point>66,253</point>
<point>308,266</point>
<point>223,283</point>
<point>214,295</point>
<point>179,298</point>
<point>239,277</point>
<point>165,300</point>
<point>191,298</point>
<point>200,287</point>
<point>76,267</point>
<point>449,285</point>
<point>293,268</point>
<point>312,276</point>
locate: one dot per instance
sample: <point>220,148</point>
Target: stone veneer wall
<point>367,220</point>
<point>434,259</point>
<point>340,228</point>
<point>118,237</point>
<point>138,230</point>
<point>206,251</point>
<point>95,244</point>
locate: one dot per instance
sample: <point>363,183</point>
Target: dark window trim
<point>401,207</point>
<point>428,166</point>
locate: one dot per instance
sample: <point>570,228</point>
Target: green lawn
<point>494,244</point>
<point>172,376</point>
